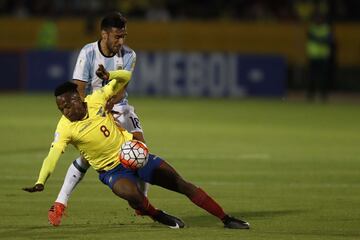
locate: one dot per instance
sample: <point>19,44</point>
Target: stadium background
<point>48,35</point>
<point>246,133</point>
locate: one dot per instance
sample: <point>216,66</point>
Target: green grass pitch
<point>291,169</point>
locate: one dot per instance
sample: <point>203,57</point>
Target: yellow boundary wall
<point>287,39</point>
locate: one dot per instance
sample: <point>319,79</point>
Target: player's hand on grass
<point>37,188</point>
<point>102,73</point>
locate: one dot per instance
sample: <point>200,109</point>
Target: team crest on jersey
<point>119,64</point>
<point>84,127</point>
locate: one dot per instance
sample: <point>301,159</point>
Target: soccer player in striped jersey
<point>110,52</point>
<point>93,131</point>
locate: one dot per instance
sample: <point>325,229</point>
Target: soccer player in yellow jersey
<point>112,52</point>
<point>93,131</point>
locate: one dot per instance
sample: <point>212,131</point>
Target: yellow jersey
<point>97,136</point>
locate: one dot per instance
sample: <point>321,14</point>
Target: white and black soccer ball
<point>134,154</point>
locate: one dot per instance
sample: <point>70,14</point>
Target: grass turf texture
<point>289,168</point>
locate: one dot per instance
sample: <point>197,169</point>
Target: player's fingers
<point>28,189</point>
<point>39,187</point>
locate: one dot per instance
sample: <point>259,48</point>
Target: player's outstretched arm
<point>105,75</point>
<point>119,79</point>
<point>47,168</point>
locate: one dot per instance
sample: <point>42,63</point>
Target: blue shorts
<point>144,173</point>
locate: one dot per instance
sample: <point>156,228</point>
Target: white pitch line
<point>260,156</point>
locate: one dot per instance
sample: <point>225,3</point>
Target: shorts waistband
<point>110,164</point>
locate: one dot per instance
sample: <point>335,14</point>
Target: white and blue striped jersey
<point>89,59</point>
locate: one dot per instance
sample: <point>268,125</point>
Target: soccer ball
<point>134,154</point>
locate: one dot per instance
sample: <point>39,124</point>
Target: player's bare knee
<point>134,205</point>
<point>135,200</point>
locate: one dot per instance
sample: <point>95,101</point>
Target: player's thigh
<point>122,181</point>
<point>159,172</point>
<point>166,177</point>
<point>127,118</point>
<point>127,189</point>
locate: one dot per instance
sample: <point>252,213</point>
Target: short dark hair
<point>64,88</point>
<point>113,20</point>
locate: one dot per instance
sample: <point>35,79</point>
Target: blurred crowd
<point>165,10</point>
